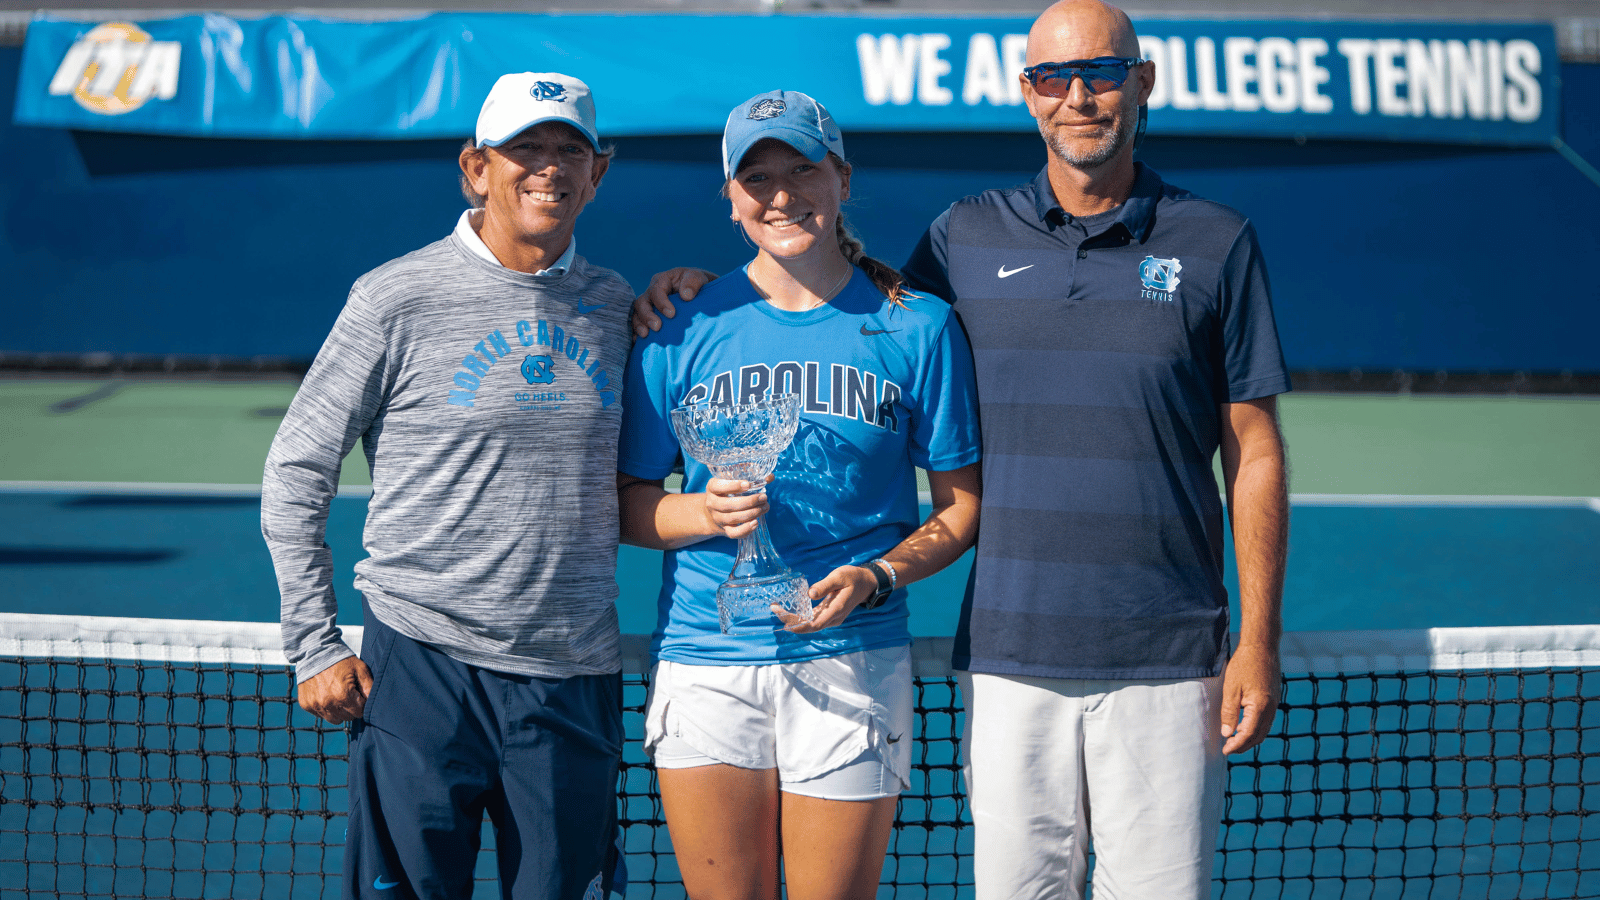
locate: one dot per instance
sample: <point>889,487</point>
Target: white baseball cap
<point>522,100</point>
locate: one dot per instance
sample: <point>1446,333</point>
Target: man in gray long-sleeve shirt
<point>482,374</point>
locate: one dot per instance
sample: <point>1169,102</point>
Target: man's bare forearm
<point>1255,470</point>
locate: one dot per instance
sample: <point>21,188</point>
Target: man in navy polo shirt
<point>1122,333</point>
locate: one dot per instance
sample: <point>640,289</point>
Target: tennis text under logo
<point>494,347</point>
<point>116,68</point>
<point>844,391</point>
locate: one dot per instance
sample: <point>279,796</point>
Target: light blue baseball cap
<point>788,116</point>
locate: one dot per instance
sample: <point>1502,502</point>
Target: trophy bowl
<point>742,441</point>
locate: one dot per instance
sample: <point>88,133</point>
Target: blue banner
<point>291,77</point>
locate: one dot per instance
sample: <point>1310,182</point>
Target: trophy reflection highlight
<point>742,441</point>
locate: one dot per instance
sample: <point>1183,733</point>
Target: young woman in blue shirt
<point>806,727</point>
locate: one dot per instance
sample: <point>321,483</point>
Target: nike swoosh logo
<point>1004,274</point>
<point>584,309</point>
<point>894,738</point>
<point>869,332</point>
<point>378,883</point>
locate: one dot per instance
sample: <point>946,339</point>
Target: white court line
<point>180,489</point>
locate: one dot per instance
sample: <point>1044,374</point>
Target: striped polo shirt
<point>1104,347</point>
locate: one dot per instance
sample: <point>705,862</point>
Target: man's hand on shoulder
<point>1250,687</point>
<point>337,694</point>
<point>684,282</point>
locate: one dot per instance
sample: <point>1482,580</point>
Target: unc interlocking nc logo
<point>1160,274</point>
<point>547,90</point>
<point>768,109</point>
<point>538,370</point>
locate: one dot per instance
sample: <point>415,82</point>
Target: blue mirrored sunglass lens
<point>1099,78</point>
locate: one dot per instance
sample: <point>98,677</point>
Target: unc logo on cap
<point>547,90</point>
<point>1160,275</point>
<point>767,109</point>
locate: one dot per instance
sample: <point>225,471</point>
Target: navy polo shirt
<point>1104,348</point>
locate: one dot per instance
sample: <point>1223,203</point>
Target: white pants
<point>1134,766</point>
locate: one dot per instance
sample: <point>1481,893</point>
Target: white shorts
<point>837,728</point>
<point>1134,766</point>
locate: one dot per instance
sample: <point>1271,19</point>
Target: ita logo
<point>1159,277</point>
<point>117,68</point>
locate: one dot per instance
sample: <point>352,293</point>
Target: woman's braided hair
<point>883,276</point>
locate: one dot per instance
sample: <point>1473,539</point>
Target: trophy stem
<point>758,560</point>
<point>760,585</point>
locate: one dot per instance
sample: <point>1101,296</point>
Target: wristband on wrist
<point>884,571</point>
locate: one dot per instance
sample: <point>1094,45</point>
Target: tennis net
<point>157,758</point>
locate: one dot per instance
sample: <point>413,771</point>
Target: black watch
<point>886,578</point>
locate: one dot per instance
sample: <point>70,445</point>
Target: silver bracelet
<point>894,577</point>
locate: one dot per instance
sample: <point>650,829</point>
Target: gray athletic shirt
<point>488,403</point>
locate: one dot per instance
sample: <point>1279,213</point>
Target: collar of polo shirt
<point>1137,214</point>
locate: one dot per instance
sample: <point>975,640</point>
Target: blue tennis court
<point>1372,773</point>
<point>1356,562</point>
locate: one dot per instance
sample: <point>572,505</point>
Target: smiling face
<point>534,185</point>
<point>1087,131</point>
<point>787,204</point>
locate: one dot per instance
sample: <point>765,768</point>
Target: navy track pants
<point>442,743</point>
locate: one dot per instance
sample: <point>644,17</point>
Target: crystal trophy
<point>742,441</point>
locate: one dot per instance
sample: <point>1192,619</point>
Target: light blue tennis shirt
<point>883,389</point>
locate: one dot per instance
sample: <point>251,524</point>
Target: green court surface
<point>218,433</point>
<point>144,431</point>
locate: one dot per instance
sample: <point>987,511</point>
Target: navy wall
<point>1382,256</point>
